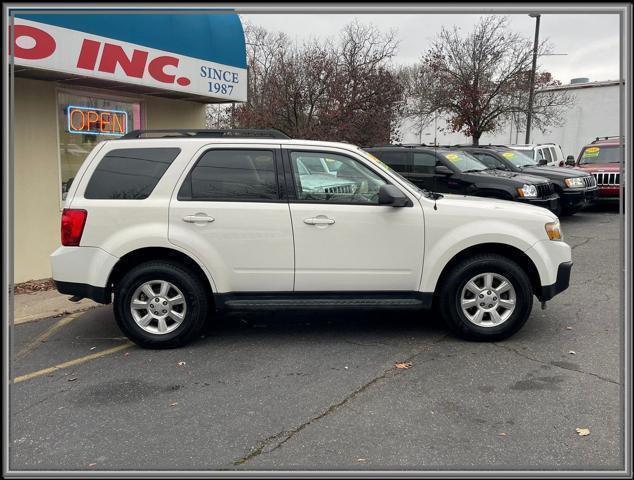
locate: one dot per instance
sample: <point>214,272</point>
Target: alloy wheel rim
<point>158,307</point>
<point>488,299</point>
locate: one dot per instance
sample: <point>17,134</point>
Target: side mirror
<point>391,195</point>
<point>542,161</point>
<point>442,170</point>
<point>570,161</point>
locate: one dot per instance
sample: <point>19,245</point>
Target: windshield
<point>600,155</point>
<point>518,158</point>
<point>464,161</point>
<point>384,166</point>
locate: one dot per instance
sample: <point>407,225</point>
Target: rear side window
<point>547,154</point>
<point>399,161</point>
<point>129,173</point>
<point>232,175</point>
<point>424,163</point>
<point>489,160</point>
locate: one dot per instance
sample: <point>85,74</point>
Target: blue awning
<point>217,37</point>
<point>198,56</point>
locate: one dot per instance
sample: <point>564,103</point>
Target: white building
<point>595,113</point>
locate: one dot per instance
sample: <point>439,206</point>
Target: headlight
<point>553,230</point>
<point>527,191</point>
<point>576,182</point>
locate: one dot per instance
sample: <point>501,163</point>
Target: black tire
<point>193,289</point>
<point>450,297</point>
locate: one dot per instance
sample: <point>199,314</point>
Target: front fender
<point>442,246</point>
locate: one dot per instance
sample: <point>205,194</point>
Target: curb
<point>51,314</point>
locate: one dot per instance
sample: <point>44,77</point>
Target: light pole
<point>529,113</point>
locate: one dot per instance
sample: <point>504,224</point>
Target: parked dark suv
<point>447,170</point>
<point>576,189</point>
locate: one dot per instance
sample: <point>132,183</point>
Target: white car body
<point>268,247</point>
<point>550,152</point>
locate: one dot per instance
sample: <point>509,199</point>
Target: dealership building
<point>79,79</point>
<point>595,111</point>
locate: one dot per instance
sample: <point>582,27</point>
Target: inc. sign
<point>59,49</point>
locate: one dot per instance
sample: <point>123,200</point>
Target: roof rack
<point>598,139</point>
<point>217,133</point>
<point>401,145</point>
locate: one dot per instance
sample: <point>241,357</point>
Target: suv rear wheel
<point>487,298</point>
<point>160,304</point>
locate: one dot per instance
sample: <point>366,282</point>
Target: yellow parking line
<point>72,363</point>
<point>48,333</point>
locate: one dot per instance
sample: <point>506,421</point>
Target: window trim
<point>279,176</point>
<point>289,175</point>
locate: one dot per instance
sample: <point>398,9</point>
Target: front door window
<point>328,177</point>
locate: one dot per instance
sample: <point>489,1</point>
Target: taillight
<point>73,221</point>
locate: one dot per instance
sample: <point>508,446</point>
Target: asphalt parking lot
<point>321,391</point>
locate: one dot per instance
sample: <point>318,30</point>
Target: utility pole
<point>529,113</point>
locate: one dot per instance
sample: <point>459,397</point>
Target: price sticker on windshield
<point>508,154</point>
<point>453,157</point>
<point>591,152</point>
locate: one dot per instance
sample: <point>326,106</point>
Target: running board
<point>318,300</point>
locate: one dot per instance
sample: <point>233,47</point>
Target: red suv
<point>602,158</point>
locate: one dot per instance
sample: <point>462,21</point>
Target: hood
<point>494,207</point>
<point>519,177</point>
<point>599,167</point>
<point>554,173</point>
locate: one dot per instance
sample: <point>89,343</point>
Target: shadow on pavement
<point>331,322</point>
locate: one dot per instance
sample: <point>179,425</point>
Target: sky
<point>590,41</point>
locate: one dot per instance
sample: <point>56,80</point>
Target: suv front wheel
<point>160,304</point>
<point>487,297</point>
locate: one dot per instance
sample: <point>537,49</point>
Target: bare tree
<point>345,90</point>
<point>482,79</point>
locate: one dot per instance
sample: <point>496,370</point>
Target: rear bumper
<point>547,292</point>
<point>83,290</point>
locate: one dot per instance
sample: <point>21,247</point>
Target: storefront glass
<point>85,121</point>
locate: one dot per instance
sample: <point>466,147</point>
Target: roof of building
<point>576,86</point>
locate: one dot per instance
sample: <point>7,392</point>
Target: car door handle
<point>319,221</point>
<point>198,218</point>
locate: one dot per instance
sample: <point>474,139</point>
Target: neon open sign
<point>96,121</point>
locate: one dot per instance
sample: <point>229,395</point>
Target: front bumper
<point>576,199</point>
<point>552,203</point>
<point>546,292</point>
<point>608,193</point>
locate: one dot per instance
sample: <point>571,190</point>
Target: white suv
<point>549,154</point>
<point>181,226</point>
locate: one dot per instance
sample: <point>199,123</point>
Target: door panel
<point>341,245</point>
<point>376,248</point>
<point>246,242</point>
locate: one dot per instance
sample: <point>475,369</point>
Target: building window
<point>85,121</point>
